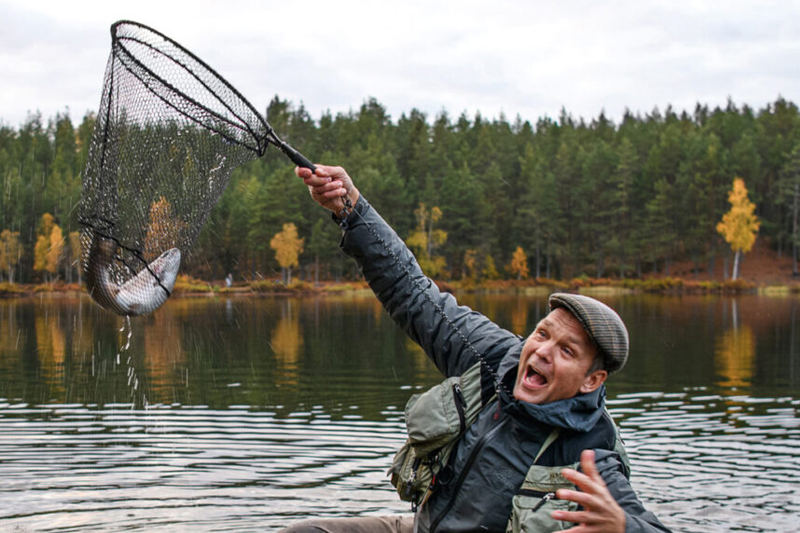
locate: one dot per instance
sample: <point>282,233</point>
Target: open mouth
<point>534,379</point>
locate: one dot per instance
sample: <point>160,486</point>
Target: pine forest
<point>475,198</point>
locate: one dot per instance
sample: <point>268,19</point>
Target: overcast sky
<point>515,57</point>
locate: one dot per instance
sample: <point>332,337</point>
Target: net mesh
<point>169,133</point>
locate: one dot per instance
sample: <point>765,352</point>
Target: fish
<point>140,295</point>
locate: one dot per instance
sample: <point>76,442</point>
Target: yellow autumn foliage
<point>740,225</point>
<point>519,263</point>
<point>49,246</point>
<point>163,231</point>
<point>10,252</point>
<point>288,246</point>
<point>424,240</point>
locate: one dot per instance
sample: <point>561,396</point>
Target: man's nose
<point>545,351</point>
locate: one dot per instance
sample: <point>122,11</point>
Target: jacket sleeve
<point>452,336</point>
<point>637,518</point>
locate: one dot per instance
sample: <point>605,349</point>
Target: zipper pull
<point>459,395</point>
<point>546,498</point>
<point>461,406</point>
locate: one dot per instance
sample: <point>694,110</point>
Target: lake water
<point>246,414</point>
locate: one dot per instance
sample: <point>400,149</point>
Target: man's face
<point>555,360</point>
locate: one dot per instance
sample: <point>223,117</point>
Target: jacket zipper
<point>461,405</point>
<point>478,446</point>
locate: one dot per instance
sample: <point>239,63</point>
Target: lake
<point>248,413</point>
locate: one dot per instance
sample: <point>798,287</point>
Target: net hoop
<point>122,37</point>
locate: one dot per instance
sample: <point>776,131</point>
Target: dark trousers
<point>365,524</point>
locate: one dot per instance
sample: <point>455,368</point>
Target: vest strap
<point>551,438</point>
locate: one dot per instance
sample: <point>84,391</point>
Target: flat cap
<point>602,323</point>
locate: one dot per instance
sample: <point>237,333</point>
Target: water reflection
<point>244,414</point>
<point>287,339</point>
<point>734,355</point>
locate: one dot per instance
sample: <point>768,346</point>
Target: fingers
<point>588,465</point>
<point>302,172</point>
<point>600,511</point>
<point>329,186</point>
<point>576,517</point>
<point>324,174</point>
<point>306,175</point>
<point>610,519</point>
<point>332,172</point>
<point>589,480</point>
<point>322,171</point>
<point>333,189</point>
<point>324,185</point>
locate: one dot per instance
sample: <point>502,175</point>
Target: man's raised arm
<point>453,336</point>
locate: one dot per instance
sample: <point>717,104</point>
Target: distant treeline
<point>579,197</point>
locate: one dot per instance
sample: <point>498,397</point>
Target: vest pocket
<point>434,420</point>
<point>441,414</point>
<point>536,500</point>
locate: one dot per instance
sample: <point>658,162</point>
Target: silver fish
<point>140,295</point>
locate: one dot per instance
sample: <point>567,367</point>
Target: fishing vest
<point>435,421</point>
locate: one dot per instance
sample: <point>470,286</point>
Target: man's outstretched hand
<point>328,186</point>
<point>601,513</point>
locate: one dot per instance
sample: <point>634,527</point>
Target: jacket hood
<point>579,413</point>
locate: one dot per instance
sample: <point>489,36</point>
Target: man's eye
<point>568,351</point>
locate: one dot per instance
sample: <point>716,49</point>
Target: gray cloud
<point>526,58</point>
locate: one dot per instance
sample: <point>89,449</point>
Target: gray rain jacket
<point>484,477</point>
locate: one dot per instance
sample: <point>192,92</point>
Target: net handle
<point>296,157</point>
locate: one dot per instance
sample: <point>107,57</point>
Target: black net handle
<point>297,158</point>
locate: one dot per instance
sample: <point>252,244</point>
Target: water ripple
<point>715,463</point>
<point>701,462</point>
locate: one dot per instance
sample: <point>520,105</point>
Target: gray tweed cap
<point>602,323</point>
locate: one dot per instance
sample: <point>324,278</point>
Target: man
<point>541,453</point>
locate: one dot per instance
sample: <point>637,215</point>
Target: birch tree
<point>740,225</point>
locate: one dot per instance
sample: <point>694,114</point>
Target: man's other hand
<point>601,513</point>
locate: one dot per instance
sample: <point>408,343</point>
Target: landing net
<point>169,133</point>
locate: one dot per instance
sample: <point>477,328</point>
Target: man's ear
<point>593,381</point>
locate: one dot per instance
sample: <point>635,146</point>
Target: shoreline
<point>541,287</point>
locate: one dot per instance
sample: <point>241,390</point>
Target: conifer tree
<point>625,198</point>
<point>789,194</point>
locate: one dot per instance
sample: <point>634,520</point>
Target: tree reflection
<point>423,369</point>
<point>519,317</point>
<point>286,341</point>
<point>9,329</point>
<point>734,356</point>
<point>51,347</point>
<point>335,349</point>
<point>164,355</point>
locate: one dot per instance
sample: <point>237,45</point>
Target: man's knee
<point>377,524</point>
<point>306,526</point>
